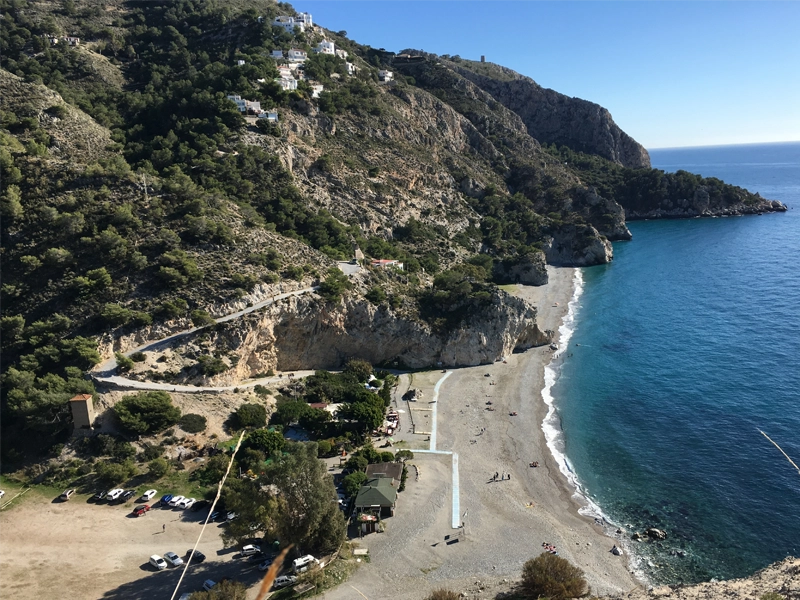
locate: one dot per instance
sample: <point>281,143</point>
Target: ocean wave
<point>554,435</point>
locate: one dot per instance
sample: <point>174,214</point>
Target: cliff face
<point>305,332</point>
<point>779,580</point>
<point>551,117</point>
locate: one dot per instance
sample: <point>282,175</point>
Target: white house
<point>72,41</point>
<point>287,83</point>
<point>270,115</point>
<point>284,71</point>
<point>297,55</point>
<point>341,54</point>
<point>316,90</point>
<point>240,63</point>
<point>277,54</point>
<point>246,106</point>
<point>385,263</point>
<point>351,68</point>
<point>326,47</point>
<point>385,75</point>
<point>302,22</point>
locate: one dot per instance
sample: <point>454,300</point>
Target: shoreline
<point>489,419</point>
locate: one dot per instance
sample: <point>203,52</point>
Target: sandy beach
<point>505,522</point>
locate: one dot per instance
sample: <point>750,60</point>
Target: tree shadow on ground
<point>159,584</point>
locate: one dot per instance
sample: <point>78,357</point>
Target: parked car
<point>200,505</point>
<point>186,503</point>
<point>158,562</point>
<point>215,515</point>
<point>2,493</point>
<point>165,499</point>
<point>185,596</point>
<point>208,584</point>
<point>114,494</point>
<point>304,563</point>
<point>129,494</point>
<point>149,495</point>
<point>140,511</point>
<point>175,501</point>
<point>230,516</point>
<point>284,581</point>
<point>100,495</point>
<point>198,556</point>
<point>250,549</point>
<point>66,495</point>
<point>266,564</point>
<point>173,559</point>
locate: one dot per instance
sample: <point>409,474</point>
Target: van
<point>304,563</point>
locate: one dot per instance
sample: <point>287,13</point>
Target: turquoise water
<point>683,348</point>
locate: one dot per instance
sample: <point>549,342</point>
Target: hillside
<point>138,200</point>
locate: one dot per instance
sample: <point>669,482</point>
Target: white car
<point>114,494</point>
<point>2,493</point>
<point>149,495</point>
<point>208,584</point>
<point>250,550</point>
<point>158,562</point>
<point>186,503</point>
<point>173,559</point>
<point>176,500</point>
<point>283,581</point>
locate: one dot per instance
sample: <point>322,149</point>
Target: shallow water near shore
<point>683,348</point>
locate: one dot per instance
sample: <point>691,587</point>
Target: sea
<point>674,359</point>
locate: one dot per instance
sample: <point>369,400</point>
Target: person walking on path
<point>164,528</point>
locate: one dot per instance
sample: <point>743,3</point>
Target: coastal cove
<point>683,348</point>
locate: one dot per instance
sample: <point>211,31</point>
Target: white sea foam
<point>554,435</point>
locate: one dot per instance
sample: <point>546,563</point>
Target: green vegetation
<point>550,576</point>
<point>296,508</point>
<point>146,412</point>
<point>192,423</point>
<point>251,415</point>
<point>443,594</point>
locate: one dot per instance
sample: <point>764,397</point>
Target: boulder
<point>656,534</point>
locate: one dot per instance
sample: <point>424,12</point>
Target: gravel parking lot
<point>78,549</point>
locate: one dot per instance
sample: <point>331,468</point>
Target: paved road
<point>105,372</point>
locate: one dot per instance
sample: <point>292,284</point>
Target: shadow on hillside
<point>159,584</point>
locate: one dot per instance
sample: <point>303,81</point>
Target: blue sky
<point>671,73</point>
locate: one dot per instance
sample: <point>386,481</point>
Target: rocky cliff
<point>779,581</point>
<point>554,118</point>
<point>305,332</point>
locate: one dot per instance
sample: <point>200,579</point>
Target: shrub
<point>138,357</point>
<point>157,468</point>
<point>147,412</point>
<point>251,415</point>
<point>201,318</point>
<point>387,457</point>
<point>124,364</point>
<point>376,295</point>
<point>210,365</point>
<point>150,452</point>
<point>324,448</point>
<point>192,423</point>
<point>552,577</point>
<point>111,473</point>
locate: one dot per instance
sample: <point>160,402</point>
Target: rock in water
<point>656,534</point>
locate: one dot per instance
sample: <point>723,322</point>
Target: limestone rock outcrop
<point>305,332</point>
<point>577,246</point>
<point>555,118</point>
